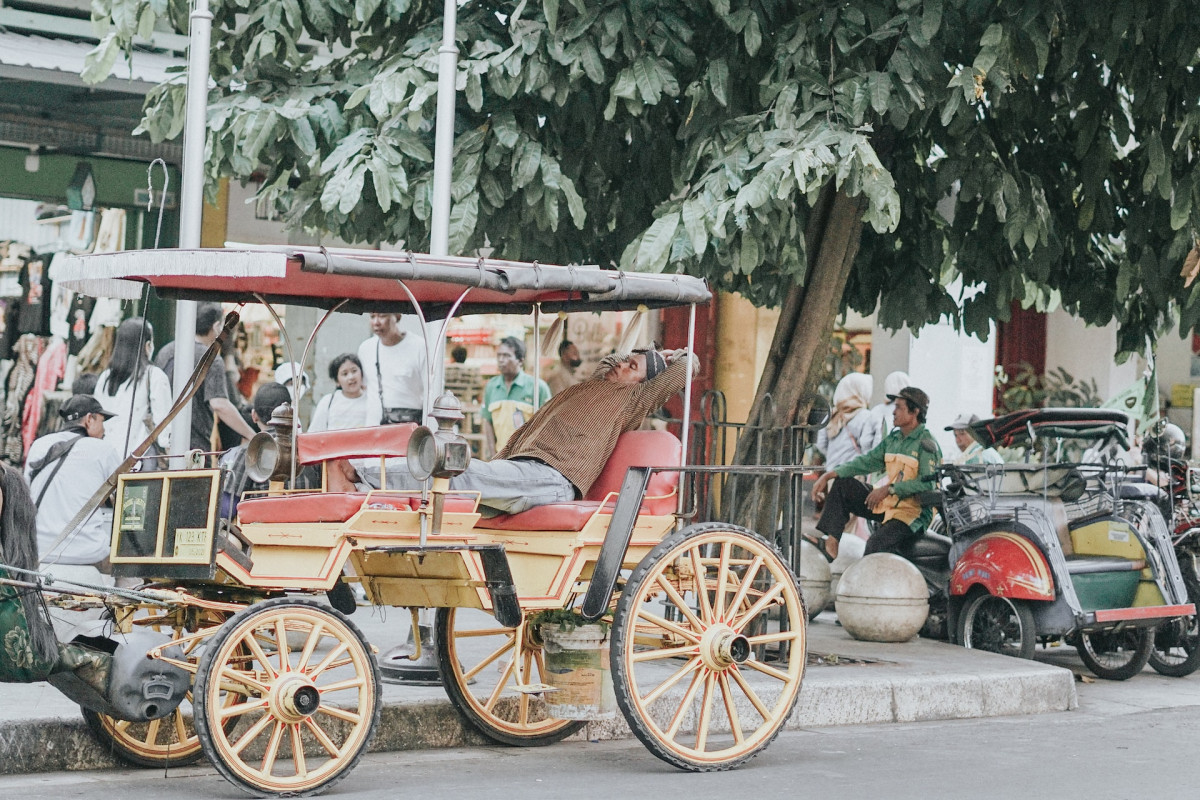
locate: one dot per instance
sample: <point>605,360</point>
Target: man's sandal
<point>819,543</point>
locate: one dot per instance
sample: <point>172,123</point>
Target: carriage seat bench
<point>633,449</point>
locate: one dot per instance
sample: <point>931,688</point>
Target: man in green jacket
<point>909,455</point>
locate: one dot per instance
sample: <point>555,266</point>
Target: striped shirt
<point>577,430</point>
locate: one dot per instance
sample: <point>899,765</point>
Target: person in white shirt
<point>135,392</point>
<point>393,363</point>
<point>971,452</point>
<point>64,470</point>
<point>350,405</point>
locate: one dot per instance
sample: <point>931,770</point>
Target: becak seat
<point>634,449</point>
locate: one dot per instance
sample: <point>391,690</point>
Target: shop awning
<point>41,59</point>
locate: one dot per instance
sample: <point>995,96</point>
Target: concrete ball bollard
<point>814,579</point>
<point>850,553</point>
<point>882,598</point>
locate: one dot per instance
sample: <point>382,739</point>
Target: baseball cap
<point>913,395</point>
<point>962,422</point>
<point>79,406</point>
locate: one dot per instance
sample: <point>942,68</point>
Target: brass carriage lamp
<point>269,454</point>
<point>443,453</point>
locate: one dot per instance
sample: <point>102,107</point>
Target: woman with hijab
<point>852,428</point>
<point>135,391</point>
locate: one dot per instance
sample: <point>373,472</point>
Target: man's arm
<point>227,412</point>
<point>929,455</point>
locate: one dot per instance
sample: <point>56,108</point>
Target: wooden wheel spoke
<point>751,695</point>
<point>181,734</point>
<point>663,652</point>
<point>700,571</point>
<point>722,577</point>
<point>677,720</point>
<point>679,602</point>
<point>668,626</point>
<point>500,684</point>
<point>281,646</point>
<point>121,724</point>
<point>340,686</point>
<point>252,733</point>
<point>327,662</point>
<point>301,765</point>
<point>735,723</point>
<point>523,710</point>
<point>497,653</point>
<point>758,666</point>
<point>238,682</point>
<point>747,582</point>
<point>758,607</point>
<point>238,709</point>
<point>340,713</point>
<point>705,720</point>
<point>322,737</point>
<point>152,730</point>
<point>272,752</point>
<point>658,691</point>
<point>260,655</point>
<point>310,644</point>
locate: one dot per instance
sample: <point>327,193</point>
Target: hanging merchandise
<point>51,368</point>
<point>33,314</point>
<point>95,355</point>
<point>20,379</point>
<point>110,237</point>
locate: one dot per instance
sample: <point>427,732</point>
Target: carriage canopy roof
<point>370,280</point>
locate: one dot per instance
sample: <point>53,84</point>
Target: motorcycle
<point>1054,551</point>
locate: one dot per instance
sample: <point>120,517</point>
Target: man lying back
<point>557,455</point>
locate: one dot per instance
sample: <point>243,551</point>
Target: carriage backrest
<point>643,449</point>
<point>378,440</point>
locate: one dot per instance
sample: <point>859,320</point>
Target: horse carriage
<point>237,656</point>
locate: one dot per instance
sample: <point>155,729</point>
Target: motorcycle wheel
<point>1176,651</point>
<point>997,625</point>
<point>1116,656</point>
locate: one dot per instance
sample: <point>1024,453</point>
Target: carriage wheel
<point>709,647</point>
<point>472,646</point>
<point>311,698</point>
<point>170,741</point>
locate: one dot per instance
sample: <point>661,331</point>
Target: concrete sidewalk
<point>854,683</point>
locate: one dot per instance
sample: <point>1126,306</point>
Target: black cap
<point>913,395</point>
<point>79,406</point>
<point>655,363</point>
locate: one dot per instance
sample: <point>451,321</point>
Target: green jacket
<point>911,466</point>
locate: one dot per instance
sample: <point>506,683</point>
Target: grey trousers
<point>506,486</point>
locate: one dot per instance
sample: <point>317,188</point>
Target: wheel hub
<point>721,647</point>
<point>294,698</point>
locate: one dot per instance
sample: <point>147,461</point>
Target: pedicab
<point>707,640</point>
<point>1060,550</point>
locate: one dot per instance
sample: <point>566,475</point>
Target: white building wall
<point>1087,353</point>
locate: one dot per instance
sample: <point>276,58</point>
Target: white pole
<point>191,200</point>
<point>443,169</point>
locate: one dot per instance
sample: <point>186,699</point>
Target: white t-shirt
<point>158,401</point>
<point>335,411</point>
<point>86,466</point>
<point>402,367</point>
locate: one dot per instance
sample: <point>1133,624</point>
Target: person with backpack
<point>64,470</point>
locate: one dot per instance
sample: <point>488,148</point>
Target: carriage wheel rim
<point>704,675</point>
<point>503,656</point>
<point>268,688</point>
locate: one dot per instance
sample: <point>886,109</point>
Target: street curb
<point>830,696</point>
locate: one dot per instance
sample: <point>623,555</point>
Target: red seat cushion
<point>634,449</point>
<point>315,507</point>
<point>552,517</point>
<point>378,440</point>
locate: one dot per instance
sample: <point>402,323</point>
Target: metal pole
<point>191,199</point>
<point>443,145</point>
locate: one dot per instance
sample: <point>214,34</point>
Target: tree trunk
<point>805,325</point>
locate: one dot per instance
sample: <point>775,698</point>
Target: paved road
<point>1127,740</point>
